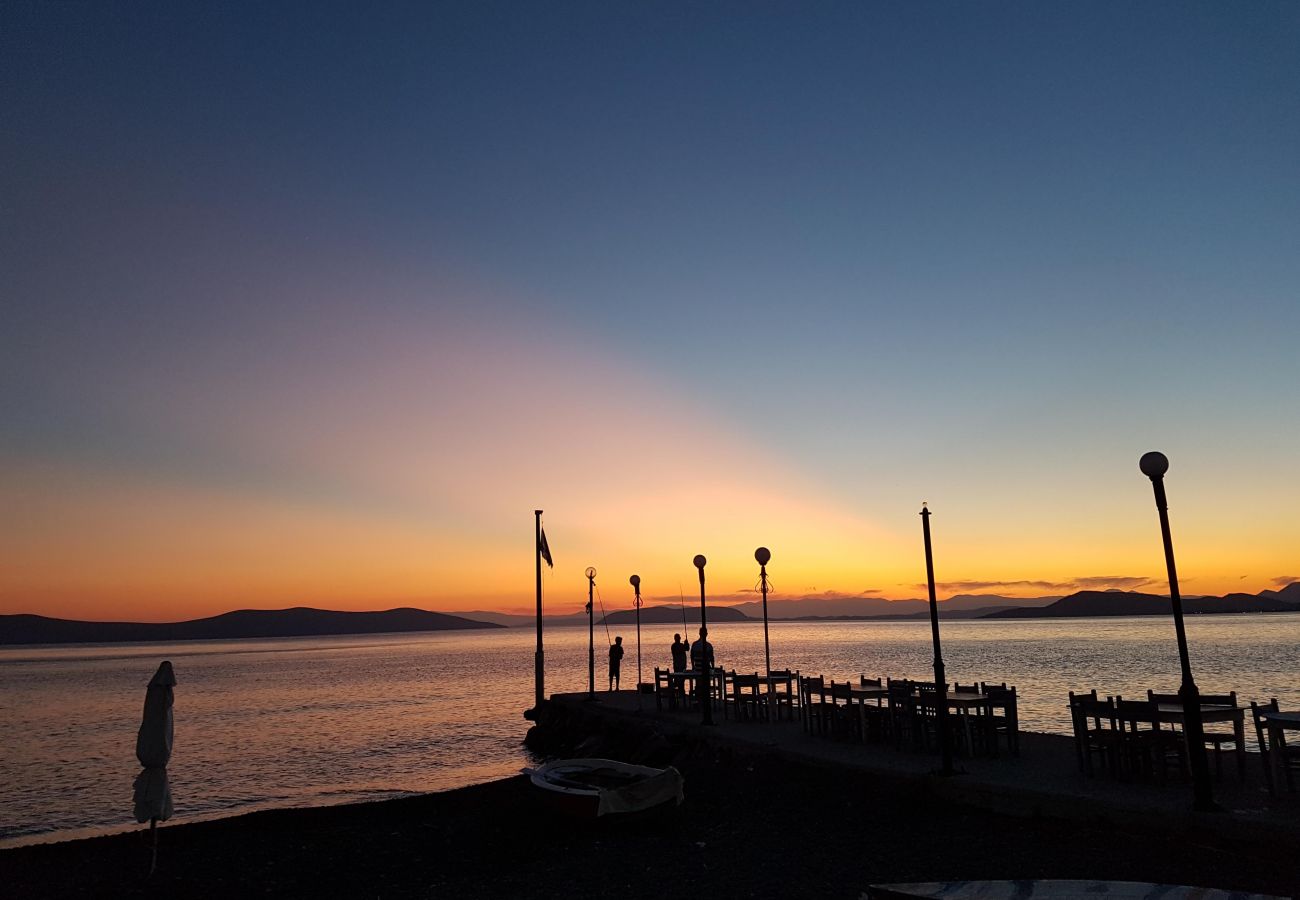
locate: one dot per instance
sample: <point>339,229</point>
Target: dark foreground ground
<point>757,828</point>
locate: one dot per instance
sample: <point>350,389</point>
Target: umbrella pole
<point>153,832</point>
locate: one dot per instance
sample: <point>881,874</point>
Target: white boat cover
<point>618,787</point>
<point>656,789</point>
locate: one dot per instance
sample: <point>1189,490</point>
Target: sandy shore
<point>751,828</point>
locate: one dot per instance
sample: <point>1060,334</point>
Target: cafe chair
<point>1218,738</point>
<point>814,705</point>
<point>781,692</point>
<point>1005,715</point>
<point>665,692</point>
<point>1096,731</point>
<point>1285,757</point>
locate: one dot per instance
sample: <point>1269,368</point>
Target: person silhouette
<point>702,651</point>
<point>615,661</point>
<point>679,651</point>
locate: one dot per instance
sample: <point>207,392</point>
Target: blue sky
<point>988,252</point>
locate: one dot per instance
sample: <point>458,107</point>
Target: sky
<point>315,303</point>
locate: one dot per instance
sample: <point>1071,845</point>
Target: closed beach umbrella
<point>153,747</point>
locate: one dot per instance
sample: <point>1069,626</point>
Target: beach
<point>750,827</point>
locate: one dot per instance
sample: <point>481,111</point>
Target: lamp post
<point>1154,465</point>
<point>762,555</point>
<point>539,656</point>
<point>591,634</point>
<point>704,673</point>
<point>635,581</point>
<point>940,681</point>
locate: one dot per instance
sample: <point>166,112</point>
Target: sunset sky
<point>313,304</point>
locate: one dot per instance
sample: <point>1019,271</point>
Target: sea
<point>322,720</point>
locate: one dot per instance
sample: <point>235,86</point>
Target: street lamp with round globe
<point>1154,464</point>
<point>703,675</point>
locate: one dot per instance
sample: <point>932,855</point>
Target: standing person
<point>679,650</point>
<point>702,651</point>
<point>615,660</point>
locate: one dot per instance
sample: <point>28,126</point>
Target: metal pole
<point>636,585</point>
<point>591,635</point>
<point>1154,465</point>
<point>763,556</point>
<point>704,674</point>
<point>539,657</point>
<point>940,680</point>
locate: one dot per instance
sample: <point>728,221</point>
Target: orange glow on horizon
<point>410,481</point>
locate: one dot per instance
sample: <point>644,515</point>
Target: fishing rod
<point>604,618</point>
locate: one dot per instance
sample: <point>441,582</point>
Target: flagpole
<point>539,658</point>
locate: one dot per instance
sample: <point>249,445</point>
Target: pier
<point>1043,782</point>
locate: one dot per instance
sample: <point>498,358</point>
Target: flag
<point>544,549</point>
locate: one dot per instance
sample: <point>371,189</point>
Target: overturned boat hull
<point>589,788</point>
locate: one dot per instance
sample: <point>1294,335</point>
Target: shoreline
<point>754,826</point>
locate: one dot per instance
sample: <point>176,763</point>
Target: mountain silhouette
<point>243,623</point>
<point>669,615</point>
<point>1131,603</point>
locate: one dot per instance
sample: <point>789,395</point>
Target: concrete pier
<point>1044,781</point>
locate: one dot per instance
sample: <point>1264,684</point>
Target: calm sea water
<point>311,721</point>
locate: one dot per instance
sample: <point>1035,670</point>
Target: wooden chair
<point>781,692</point>
<point>665,692</point>
<point>1005,719</point>
<point>748,698</point>
<point>845,719</point>
<point>1095,730</point>
<point>1217,738</point>
<point>728,692</point>
<point>1287,756</point>
<point>814,706</point>
<point>904,717</point>
<point>1147,748</point>
<point>875,715</point>
<point>926,712</point>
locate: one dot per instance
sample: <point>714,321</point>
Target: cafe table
<point>686,680</point>
<point>1211,713</point>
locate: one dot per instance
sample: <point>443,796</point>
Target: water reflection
<point>318,720</point>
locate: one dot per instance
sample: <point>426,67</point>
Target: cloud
<point>1125,582</point>
<point>1284,580</point>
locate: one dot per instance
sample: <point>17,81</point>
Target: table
<point>687,677</point>
<point>1172,713</point>
<point>961,703</point>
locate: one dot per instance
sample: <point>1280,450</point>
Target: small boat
<point>1047,889</point>
<point>602,787</point>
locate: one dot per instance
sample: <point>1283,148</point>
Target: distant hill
<point>669,615</point>
<point>519,620</point>
<point>1130,603</point>
<point>1290,593</point>
<point>244,623</point>
<point>962,606</point>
